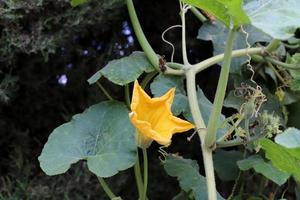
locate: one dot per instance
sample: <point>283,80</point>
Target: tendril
<point>168,42</point>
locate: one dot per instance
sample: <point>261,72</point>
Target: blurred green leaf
<point>125,70</point>
<point>187,173</point>
<point>260,166</point>
<point>290,138</point>
<point>284,159</point>
<point>75,3</point>
<point>225,164</point>
<point>182,196</point>
<point>278,18</point>
<point>107,145</point>
<point>227,11</point>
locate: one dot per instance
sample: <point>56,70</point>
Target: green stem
<point>247,121</point>
<point>291,46</point>
<point>220,94</point>
<point>174,65</point>
<point>127,96</point>
<point>151,55</point>
<point>231,129</point>
<point>183,38</point>
<point>276,73</point>
<point>201,129</point>
<point>106,188</point>
<point>218,58</point>
<point>274,44</point>
<point>147,79</point>
<point>138,176</point>
<point>198,14</point>
<point>211,61</point>
<point>145,173</point>
<point>236,142</point>
<point>258,58</point>
<point>104,91</point>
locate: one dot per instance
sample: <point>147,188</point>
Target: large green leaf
<point>161,84</point>
<point>277,18</point>
<point>217,33</point>
<point>125,70</point>
<point>187,173</point>
<point>227,11</point>
<point>284,159</point>
<point>260,166</point>
<point>290,138</point>
<point>225,164</point>
<point>107,145</point>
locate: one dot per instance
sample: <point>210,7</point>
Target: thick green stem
<point>138,176</point>
<point>219,58</point>
<point>183,38</point>
<point>201,129</point>
<point>151,55</point>
<point>212,61</point>
<point>198,14</point>
<point>145,174</point>
<point>104,91</point>
<point>106,188</point>
<point>210,139</point>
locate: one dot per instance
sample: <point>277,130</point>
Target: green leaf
<point>182,196</point>
<point>161,84</point>
<point>125,70</point>
<point>206,108</point>
<point>217,33</point>
<point>260,166</point>
<point>225,164</point>
<point>107,145</point>
<point>93,79</point>
<point>75,3</point>
<point>227,11</point>
<point>284,159</point>
<point>290,138</point>
<point>278,18</point>
<point>295,84</point>
<point>187,173</point>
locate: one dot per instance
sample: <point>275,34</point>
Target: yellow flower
<point>153,118</point>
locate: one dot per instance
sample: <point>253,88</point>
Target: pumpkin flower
<point>153,118</point>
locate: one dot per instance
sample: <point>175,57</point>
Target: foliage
<point>284,20</point>
<point>229,12</point>
<point>124,70</point>
<point>108,147</point>
<point>36,26</point>
<point>186,171</point>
